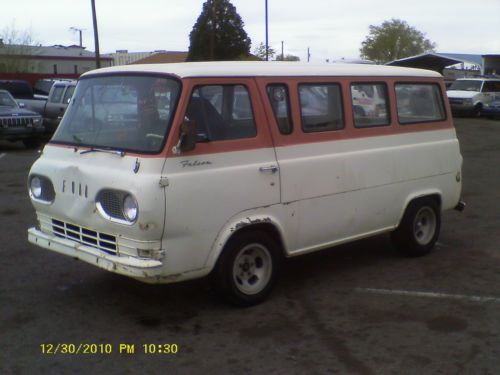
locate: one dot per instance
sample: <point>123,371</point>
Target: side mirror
<point>187,138</point>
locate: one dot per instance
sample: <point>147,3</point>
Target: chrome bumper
<point>137,268</point>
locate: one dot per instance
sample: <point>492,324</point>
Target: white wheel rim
<point>424,226</point>
<point>252,268</point>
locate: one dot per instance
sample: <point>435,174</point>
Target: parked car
<point>492,109</point>
<point>51,108</point>
<point>18,123</point>
<point>469,95</point>
<point>59,97</point>
<point>24,95</point>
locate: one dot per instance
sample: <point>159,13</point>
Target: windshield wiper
<point>93,149</point>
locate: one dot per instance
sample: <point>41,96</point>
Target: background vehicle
<point>51,108</point>
<point>492,109</point>
<point>18,123</point>
<point>469,95</point>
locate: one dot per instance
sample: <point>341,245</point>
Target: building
<point>164,57</point>
<point>55,59</point>
<point>469,64</point>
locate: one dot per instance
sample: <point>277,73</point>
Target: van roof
<point>263,68</point>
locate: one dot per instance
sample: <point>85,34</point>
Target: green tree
<point>260,52</point>
<point>393,40</point>
<point>288,57</point>
<point>15,50</point>
<point>218,34</point>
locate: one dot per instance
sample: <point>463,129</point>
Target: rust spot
<point>144,226</point>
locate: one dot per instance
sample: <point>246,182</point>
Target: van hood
<point>461,94</point>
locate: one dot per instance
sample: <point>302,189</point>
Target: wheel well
<point>267,228</point>
<point>436,197</point>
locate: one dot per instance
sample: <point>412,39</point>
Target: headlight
<point>468,101</point>
<point>37,121</point>
<point>130,208</point>
<point>36,187</point>
<point>41,189</point>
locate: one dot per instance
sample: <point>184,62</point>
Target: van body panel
<point>77,179</point>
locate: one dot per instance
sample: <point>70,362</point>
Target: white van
<point>471,95</point>
<point>171,172</point>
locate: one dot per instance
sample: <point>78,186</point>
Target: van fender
<point>417,195</point>
<point>238,222</point>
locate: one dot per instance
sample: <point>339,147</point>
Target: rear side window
<point>419,102</point>
<point>221,112</point>
<point>321,107</point>
<point>369,104</point>
<point>280,101</point>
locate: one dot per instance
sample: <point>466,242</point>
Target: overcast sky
<point>332,29</point>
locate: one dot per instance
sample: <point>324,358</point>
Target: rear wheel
<point>248,267</point>
<point>419,229</point>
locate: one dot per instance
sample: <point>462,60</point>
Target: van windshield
<point>126,113</point>
<point>465,85</point>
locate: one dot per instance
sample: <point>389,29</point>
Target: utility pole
<point>96,37</point>
<point>308,54</point>
<point>75,29</point>
<point>267,35</point>
<point>282,52</point>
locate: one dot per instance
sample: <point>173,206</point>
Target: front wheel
<point>419,229</point>
<point>248,267</point>
<point>32,142</point>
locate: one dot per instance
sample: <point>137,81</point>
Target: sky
<point>331,29</point>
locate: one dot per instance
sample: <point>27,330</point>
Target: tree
<point>260,52</point>
<point>288,57</point>
<point>393,40</point>
<point>15,50</point>
<point>218,34</point>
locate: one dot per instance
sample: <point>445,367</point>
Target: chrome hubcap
<point>252,269</point>
<point>424,225</point>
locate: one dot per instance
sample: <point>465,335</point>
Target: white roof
<point>263,68</point>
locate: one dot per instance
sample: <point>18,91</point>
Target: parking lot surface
<point>355,309</point>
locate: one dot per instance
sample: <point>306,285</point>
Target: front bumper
<point>137,268</point>
<point>14,133</point>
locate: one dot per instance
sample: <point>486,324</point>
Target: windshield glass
<point>129,113</point>
<point>466,85</point>
<point>6,100</point>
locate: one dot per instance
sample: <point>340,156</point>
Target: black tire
<point>418,231</point>
<point>32,142</point>
<point>247,268</point>
<point>476,112</point>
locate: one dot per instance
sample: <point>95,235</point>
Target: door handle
<point>270,168</point>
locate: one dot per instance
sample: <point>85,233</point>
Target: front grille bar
<point>88,237</point>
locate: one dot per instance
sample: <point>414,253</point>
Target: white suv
<point>468,95</point>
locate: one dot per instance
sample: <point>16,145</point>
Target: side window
<point>221,112</point>
<point>491,86</point>
<point>321,107</point>
<point>369,104</point>
<point>68,94</point>
<point>419,102</point>
<point>280,101</point>
<point>57,94</point>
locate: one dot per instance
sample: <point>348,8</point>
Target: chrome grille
<point>85,236</point>
<point>112,203</point>
<point>12,122</point>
